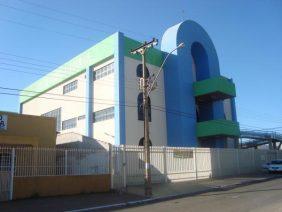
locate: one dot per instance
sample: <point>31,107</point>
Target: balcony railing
<point>219,127</point>
<point>215,88</point>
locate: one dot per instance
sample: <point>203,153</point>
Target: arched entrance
<point>200,69</point>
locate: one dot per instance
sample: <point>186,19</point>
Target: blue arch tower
<point>200,107</point>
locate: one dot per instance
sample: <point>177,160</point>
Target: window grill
<point>70,87</point>
<point>104,71</point>
<point>104,114</point>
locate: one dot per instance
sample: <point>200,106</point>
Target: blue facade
<point>178,76</point>
<point>119,89</point>
<point>183,112</point>
<point>89,103</point>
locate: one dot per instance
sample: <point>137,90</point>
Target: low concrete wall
<point>25,187</point>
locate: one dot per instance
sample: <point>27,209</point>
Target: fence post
<point>254,162</point>
<point>111,167</point>
<point>238,162</point>
<point>66,162</point>
<point>195,163</point>
<point>12,174</point>
<point>218,161</point>
<point>124,165</point>
<point>165,164</point>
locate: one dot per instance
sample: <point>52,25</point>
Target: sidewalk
<point>200,186</point>
<point>134,195</point>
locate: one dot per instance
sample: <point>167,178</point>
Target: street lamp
<point>142,51</point>
<point>146,91</point>
<point>181,45</point>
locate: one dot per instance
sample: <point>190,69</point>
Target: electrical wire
<point>45,29</point>
<point>54,19</point>
<point>87,19</point>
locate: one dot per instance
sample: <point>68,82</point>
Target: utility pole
<point>147,87</point>
<point>142,51</point>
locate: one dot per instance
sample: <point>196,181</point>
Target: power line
<point>81,17</point>
<point>29,63</point>
<point>51,75</point>
<point>125,105</point>
<point>62,70</point>
<point>41,28</point>
<point>53,18</point>
<point>156,108</point>
<point>64,95</point>
<point>84,97</point>
<point>30,58</point>
<point>82,81</point>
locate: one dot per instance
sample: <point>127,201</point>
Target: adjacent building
<point>96,94</point>
<point>18,130</point>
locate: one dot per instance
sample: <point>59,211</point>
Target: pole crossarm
<point>143,47</point>
<point>147,175</point>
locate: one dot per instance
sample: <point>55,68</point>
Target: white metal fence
<point>170,164</point>
<point>33,162</point>
<point>126,164</point>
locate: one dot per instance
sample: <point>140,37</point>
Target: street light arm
<point>181,45</point>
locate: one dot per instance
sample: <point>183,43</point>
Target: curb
<point>175,196</point>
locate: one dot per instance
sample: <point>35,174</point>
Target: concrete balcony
<point>217,128</point>
<point>216,88</point>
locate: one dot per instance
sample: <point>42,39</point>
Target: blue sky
<point>247,35</point>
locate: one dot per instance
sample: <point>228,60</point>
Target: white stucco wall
<point>72,107</point>
<point>104,97</point>
<point>72,104</point>
<point>134,127</point>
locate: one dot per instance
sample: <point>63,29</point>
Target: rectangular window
<point>104,114</point>
<point>81,117</point>
<point>56,114</point>
<point>104,71</point>
<point>68,124</point>
<point>70,87</point>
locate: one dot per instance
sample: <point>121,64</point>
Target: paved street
<point>264,197</point>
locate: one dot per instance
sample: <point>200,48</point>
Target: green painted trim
<point>36,93</point>
<point>94,55</point>
<point>215,84</point>
<point>217,128</point>
<point>154,56</point>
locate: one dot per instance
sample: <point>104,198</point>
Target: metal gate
<point>7,156</point>
<point>118,168</point>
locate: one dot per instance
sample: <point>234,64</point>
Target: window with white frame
<point>68,124</point>
<point>81,117</point>
<point>104,71</point>
<point>104,114</point>
<point>70,87</point>
<point>56,114</point>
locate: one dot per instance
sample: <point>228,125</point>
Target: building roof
<point>94,55</point>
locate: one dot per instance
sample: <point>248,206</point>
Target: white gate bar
<point>11,189</point>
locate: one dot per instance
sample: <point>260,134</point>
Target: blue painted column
<point>21,108</point>
<point>120,135</point>
<point>89,103</point>
<point>233,107</point>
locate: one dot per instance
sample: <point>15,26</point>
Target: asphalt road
<point>264,197</point>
